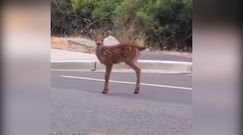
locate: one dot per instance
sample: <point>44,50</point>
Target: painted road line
<point>119,71</point>
<point>125,82</point>
<point>142,61</point>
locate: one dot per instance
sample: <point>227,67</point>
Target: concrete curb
<point>155,65</point>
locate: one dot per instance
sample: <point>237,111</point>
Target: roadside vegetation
<point>157,24</point>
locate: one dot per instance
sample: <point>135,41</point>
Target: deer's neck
<point>99,48</point>
<point>99,51</point>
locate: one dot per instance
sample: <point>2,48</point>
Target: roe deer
<point>123,52</point>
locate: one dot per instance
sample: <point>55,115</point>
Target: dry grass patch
<point>65,43</point>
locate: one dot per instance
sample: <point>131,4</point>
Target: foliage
<point>164,24</point>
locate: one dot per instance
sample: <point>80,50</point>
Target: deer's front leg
<point>107,77</point>
<point>138,73</point>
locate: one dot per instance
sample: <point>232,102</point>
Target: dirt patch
<point>65,43</point>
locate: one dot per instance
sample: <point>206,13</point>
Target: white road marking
<point>120,71</point>
<point>142,61</point>
<point>125,82</point>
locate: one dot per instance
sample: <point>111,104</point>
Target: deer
<point>122,52</point>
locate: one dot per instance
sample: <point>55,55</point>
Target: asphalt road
<point>145,55</point>
<point>162,108</point>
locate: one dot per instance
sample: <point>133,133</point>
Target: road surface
<point>164,106</point>
<point>146,55</point>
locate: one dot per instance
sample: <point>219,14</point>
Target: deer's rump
<point>122,52</point>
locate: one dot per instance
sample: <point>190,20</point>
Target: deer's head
<point>99,39</point>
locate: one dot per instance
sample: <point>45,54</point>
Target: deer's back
<point>118,53</point>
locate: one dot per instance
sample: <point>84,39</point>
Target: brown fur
<point>123,52</point>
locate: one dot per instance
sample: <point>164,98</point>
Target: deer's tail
<point>140,48</point>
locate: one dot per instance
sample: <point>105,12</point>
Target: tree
<point>163,24</point>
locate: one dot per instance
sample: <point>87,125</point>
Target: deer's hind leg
<point>107,77</point>
<point>137,69</point>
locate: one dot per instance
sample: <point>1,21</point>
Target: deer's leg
<point>107,77</point>
<point>134,65</point>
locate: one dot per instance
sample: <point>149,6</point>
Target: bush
<point>161,24</point>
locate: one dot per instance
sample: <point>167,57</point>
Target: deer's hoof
<point>104,92</point>
<point>136,92</point>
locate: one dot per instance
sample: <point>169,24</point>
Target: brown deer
<point>123,52</point>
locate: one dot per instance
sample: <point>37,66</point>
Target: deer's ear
<point>93,36</point>
<point>103,34</point>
